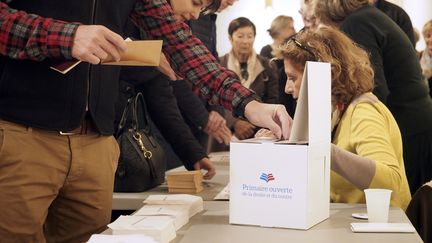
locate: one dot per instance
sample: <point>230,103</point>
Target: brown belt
<point>86,127</point>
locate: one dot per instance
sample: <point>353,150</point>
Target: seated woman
<point>255,71</point>
<point>366,149</point>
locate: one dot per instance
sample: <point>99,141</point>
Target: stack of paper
<point>179,213</point>
<point>194,203</point>
<point>185,181</point>
<point>160,228</point>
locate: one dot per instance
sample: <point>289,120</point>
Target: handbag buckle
<point>147,153</point>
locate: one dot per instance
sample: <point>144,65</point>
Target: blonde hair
<point>279,23</point>
<point>427,27</point>
<point>335,11</point>
<point>351,70</point>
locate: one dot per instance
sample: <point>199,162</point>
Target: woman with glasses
<point>366,149</point>
<point>255,72</point>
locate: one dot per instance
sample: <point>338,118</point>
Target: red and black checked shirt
<point>27,36</point>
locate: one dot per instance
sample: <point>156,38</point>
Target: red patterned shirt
<point>28,36</point>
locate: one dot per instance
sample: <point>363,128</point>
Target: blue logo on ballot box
<point>267,177</point>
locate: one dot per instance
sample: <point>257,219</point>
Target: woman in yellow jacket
<point>366,147</point>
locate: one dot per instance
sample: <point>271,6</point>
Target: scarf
<point>426,64</point>
<point>254,68</point>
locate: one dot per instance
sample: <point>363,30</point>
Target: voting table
<point>212,225</point>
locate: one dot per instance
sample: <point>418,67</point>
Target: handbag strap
<point>136,111</point>
<point>124,116</point>
<point>140,111</point>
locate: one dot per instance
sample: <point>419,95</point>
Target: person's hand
<point>273,117</point>
<point>216,128</point>
<point>207,165</point>
<point>165,68</point>
<point>94,43</point>
<point>215,121</point>
<point>222,135</point>
<point>243,129</point>
<point>265,133</point>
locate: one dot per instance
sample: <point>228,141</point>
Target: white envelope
<point>382,227</point>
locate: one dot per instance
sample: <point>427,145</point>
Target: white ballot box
<point>287,183</point>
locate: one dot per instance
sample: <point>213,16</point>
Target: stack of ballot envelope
<point>185,181</point>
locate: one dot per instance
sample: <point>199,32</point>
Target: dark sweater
<point>34,95</point>
<point>398,77</point>
<point>399,16</point>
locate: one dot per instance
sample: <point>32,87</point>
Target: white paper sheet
<point>382,227</point>
<point>223,195</point>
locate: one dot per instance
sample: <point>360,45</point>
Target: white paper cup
<point>377,203</point>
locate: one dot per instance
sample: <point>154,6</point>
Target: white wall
<point>255,10</point>
<point>420,12</point>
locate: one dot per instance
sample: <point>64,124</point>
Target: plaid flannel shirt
<point>28,36</point>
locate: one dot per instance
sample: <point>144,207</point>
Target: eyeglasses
<point>301,46</point>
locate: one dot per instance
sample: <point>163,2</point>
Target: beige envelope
<point>139,53</point>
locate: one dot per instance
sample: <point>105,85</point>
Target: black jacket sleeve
<point>191,107</point>
<point>163,110</point>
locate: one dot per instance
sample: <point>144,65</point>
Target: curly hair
<point>335,11</point>
<point>351,70</point>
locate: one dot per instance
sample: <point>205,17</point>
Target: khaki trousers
<point>54,188</point>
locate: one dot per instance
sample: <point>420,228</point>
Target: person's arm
<point>354,168</point>
<point>29,36</point>
<point>189,57</point>
<point>375,147</point>
<point>192,60</point>
<point>190,105</point>
<point>195,113</point>
<point>158,93</point>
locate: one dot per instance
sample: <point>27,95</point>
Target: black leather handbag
<point>142,161</point>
